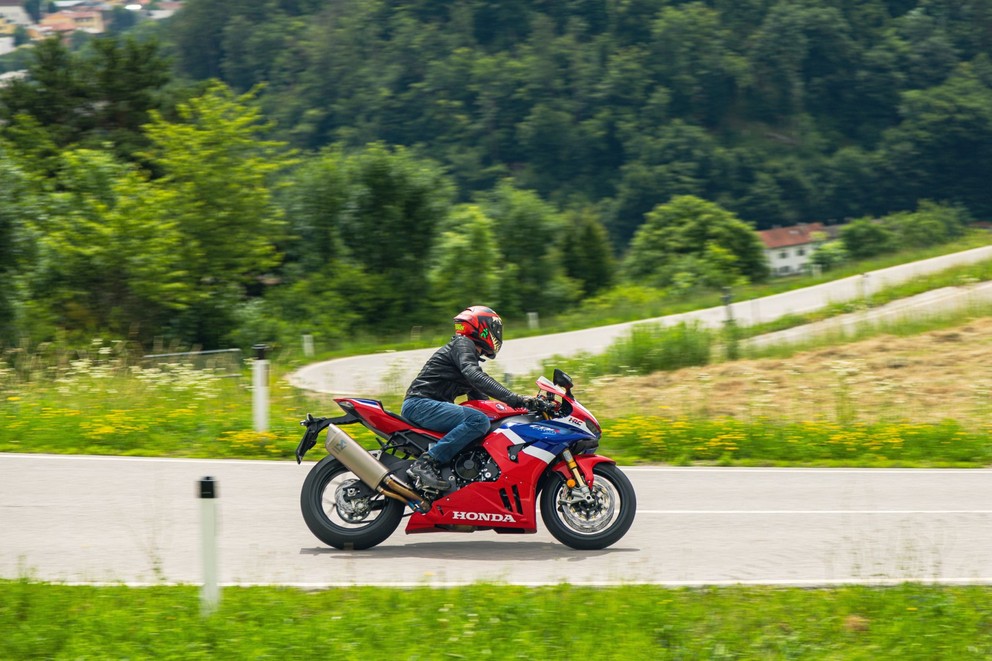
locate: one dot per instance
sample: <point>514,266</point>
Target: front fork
<point>578,490</point>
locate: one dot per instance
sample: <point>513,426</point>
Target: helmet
<point>483,326</point>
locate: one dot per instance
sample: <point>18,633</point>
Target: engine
<point>474,465</point>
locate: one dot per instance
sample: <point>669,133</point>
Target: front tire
<point>590,526</point>
<point>370,521</point>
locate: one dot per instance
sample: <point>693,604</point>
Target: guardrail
<point>227,363</point>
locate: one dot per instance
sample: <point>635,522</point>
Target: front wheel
<point>343,512</point>
<point>590,525</point>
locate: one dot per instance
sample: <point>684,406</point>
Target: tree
<point>126,78</point>
<point>930,224</point>
<point>13,202</point>
<point>943,145</point>
<point>829,254</point>
<point>53,93</point>
<point>529,232</point>
<point>691,58</point>
<point>866,237</point>
<point>90,99</point>
<point>327,292</point>
<point>586,252</point>
<point>109,256</point>
<point>676,159</point>
<point>122,20</point>
<point>395,202</point>
<point>198,32</point>
<point>33,9</point>
<point>314,206</point>
<point>691,238</point>
<point>464,264</point>
<point>219,169</point>
<point>928,55</point>
<point>21,36</point>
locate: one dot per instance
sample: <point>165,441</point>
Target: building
<point>13,11</point>
<point>7,27</point>
<point>68,21</point>
<point>788,249</point>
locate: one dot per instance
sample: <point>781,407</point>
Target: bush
<point>649,348</point>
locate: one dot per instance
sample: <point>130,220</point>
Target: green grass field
<point>498,622</point>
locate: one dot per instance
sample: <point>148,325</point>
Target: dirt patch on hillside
<point>925,378</point>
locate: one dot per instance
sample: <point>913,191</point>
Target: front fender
<point>586,463</point>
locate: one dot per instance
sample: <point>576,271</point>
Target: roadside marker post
<point>210,592</point>
<point>260,389</point>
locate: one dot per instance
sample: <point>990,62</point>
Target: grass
<point>902,326</point>
<point>101,404</point>
<point>101,400</point>
<point>953,277</point>
<point>647,348</point>
<point>652,347</point>
<point>634,303</point>
<point>767,441</point>
<point>908,621</point>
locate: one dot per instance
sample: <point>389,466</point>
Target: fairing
<point>522,447</point>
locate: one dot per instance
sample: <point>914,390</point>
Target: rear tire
<point>338,528</point>
<point>590,526</point>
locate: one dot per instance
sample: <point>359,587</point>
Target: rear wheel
<point>343,512</point>
<point>590,525</point>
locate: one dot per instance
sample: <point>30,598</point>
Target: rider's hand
<point>537,405</point>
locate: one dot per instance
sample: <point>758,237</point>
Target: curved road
<point>376,374</point>
<point>136,521</point>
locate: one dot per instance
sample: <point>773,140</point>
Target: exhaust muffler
<point>368,469</point>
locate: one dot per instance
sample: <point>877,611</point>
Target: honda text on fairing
<point>355,499</point>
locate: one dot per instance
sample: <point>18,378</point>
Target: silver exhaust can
<point>356,458</point>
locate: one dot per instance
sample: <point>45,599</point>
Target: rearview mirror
<point>561,379</point>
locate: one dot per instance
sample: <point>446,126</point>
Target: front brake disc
<point>589,517</point>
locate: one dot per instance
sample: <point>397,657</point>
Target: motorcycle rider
<point>452,371</point>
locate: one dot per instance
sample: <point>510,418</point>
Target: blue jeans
<point>461,425</point>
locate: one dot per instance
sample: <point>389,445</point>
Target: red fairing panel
<point>495,410</point>
<point>586,463</point>
<point>507,505</point>
<point>380,419</point>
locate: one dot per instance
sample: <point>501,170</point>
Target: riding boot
<point>426,474</point>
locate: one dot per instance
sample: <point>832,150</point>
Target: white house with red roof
<point>788,249</point>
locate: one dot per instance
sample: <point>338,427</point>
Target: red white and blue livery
<point>355,498</point>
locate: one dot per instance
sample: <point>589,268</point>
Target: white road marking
<point>168,460</point>
<point>709,470</point>
<point>766,512</point>
<point>699,471</point>
<point>574,581</point>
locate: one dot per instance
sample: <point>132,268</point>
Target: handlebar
<point>540,405</point>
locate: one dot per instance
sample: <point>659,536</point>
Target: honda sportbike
<point>355,498</point>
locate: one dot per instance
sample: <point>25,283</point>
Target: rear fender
<point>586,463</point>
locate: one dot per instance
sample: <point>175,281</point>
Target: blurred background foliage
<point>247,172</point>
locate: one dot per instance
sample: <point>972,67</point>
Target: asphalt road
<point>376,374</point>
<point>137,521</point>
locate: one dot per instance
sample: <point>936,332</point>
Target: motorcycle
<point>355,499</point>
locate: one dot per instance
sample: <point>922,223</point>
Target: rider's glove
<point>538,405</point>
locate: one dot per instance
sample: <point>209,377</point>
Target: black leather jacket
<point>453,371</point>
